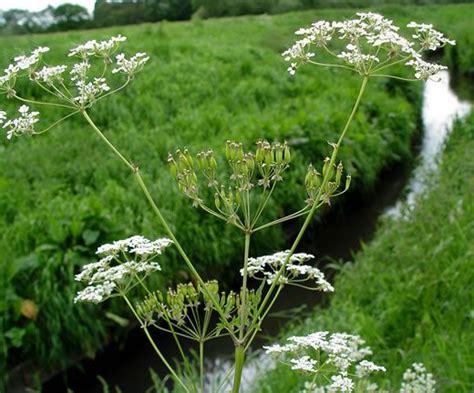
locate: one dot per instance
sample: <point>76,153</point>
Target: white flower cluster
<point>417,380</point>
<point>122,261</point>
<point>22,125</point>
<point>137,245</point>
<point>97,48</point>
<point>87,80</point>
<point>21,63</point>
<point>341,355</point>
<point>266,268</point>
<point>50,75</point>
<point>367,38</point>
<point>428,37</point>
<point>130,66</point>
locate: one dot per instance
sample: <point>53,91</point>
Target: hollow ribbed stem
<point>157,211</point>
<point>239,366</point>
<point>318,196</point>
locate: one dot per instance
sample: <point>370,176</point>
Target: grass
<point>410,292</point>
<point>63,194</point>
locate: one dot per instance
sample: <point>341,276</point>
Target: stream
<point>344,230</point>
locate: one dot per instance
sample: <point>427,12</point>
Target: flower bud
<point>326,168</point>
<point>250,163</point>
<point>348,181</point>
<point>278,153</point>
<point>287,155</point>
<point>201,160</point>
<point>239,151</point>
<point>237,197</point>
<point>212,163</point>
<point>228,151</point>
<point>338,177</point>
<point>260,153</point>
<point>172,165</point>
<point>268,156</point>
<point>188,159</point>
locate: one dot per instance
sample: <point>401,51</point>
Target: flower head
<point>22,125</point>
<point>49,75</point>
<point>130,66</point>
<point>97,48</point>
<point>296,272</point>
<point>417,380</point>
<point>341,352</point>
<point>121,263</point>
<point>369,40</point>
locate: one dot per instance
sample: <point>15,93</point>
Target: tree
<point>70,16</point>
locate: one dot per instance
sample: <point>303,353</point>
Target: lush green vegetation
<point>410,292</point>
<point>123,12</point>
<point>63,194</point>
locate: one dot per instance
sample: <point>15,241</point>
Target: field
<point>409,292</point>
<point>62,194</point>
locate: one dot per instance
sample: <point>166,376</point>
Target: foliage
<point>64,17</point>
<point>410,292</point>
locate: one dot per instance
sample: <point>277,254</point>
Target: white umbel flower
<point>304,363</point>
<point>341,383</point>
<point>423,69</point>
<point>22,125</point>
<point>417,380</point>
<point>49,75</point>
<point>130,66</point>
<point>366,367</point>
<point>97,48</point>
<point>123,263</point>
<point>428,37</point>
<point>296,272</point>
<point>369,39</point>
<point>28,62</point>
<point>341,353</point>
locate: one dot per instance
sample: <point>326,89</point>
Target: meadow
<point>208,81</point>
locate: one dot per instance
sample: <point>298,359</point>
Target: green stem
<point>262,206</point>
<point>394,77</point>
<point>243,311</point>
<point>201,364</point>
<point>56,123</point>
<point>43,103</point>
<point>181,251</point>
<point>239,366</point>
<point>240,349</point>
<point>152,342</point>
<point>108,143</point>
<point>260,320</point>
<point>162,220</point>
<point>292,216</point>
<point>318,196</point>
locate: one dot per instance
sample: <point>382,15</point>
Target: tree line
<point>121,12</point>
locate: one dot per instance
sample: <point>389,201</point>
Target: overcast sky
<point>37,5</point>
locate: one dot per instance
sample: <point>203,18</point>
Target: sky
<point>37,5</point>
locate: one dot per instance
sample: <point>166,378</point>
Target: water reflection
<point>441,107</point>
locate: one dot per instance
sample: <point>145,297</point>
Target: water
<point>337,236</point>
<point>441,107</point>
